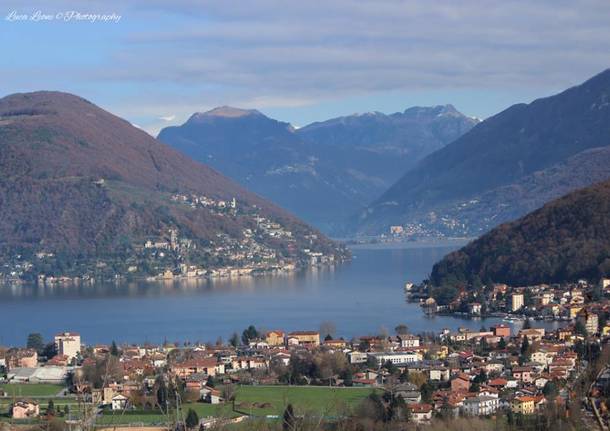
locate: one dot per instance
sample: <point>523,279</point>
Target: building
<point>501,330</point>
<point>274,338</point>
<point>396,358</point>
<point>119,402</point>
<point>523,405</point>
<point>409,341</point>
<point>305,338</point>
<point>420,413</point>
<point>22,358</point>
<point>25,409</point>
<point>517,301</point>
<point>68,344</point>
<point>482,405</point>
<point>474,309</point>
<point>461,383</point>
<point>589,320</point>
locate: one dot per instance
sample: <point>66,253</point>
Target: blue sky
<point>303,61</point>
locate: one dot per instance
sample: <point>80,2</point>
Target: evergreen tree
<point>234,340</point>
<point>525,345</point>
<point>51,408</point>
<point>36,342</point>
<point>192,419</point>
<point>114,350</point>
<point>289,419</point>
<point>502,344</point>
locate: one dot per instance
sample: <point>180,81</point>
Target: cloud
<point>191,54</point>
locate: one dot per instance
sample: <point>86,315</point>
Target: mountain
<point>325,171</point>
<point>81,189</point>
<point>565,240</point>
<point>504,167</point>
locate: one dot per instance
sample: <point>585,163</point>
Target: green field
<point>259,401</point>
<point>31,389</point>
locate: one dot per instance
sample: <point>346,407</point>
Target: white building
<point>68,344</point>
<point>482,405</point>
<point>397,358</point>
<point>119,402</point>
<point>409,341</point>
<point>517,301</point>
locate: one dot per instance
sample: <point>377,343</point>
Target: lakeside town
<point>509,377</point>
<point>581,300</point>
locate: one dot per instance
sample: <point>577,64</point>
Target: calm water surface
<point>360,298</point>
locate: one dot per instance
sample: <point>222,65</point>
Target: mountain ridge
<point>323,171</point>
<point>517,142</point>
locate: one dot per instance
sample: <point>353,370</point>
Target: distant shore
<point>404,244</point>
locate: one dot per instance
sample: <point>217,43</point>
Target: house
<point>68,344</point>
<point>25,409</point>
<point>211,395</point>
<point>207,366</point>
<point>589,320</point>
<point>474,308</point>
<point>524,405</point>
<point>523,374</point>
<point>275,338</point>
<point>420,413</point>
<point>22,358</point>
<point>482,405</point>
<point>305,338</point>
<point>501,330</point>
<point>409,341</point>
<point>409,392</point>
<point>357,357</point>
<point>460,383</point>
<point>119,402</point>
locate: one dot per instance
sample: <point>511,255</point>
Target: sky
<point>156,62</point>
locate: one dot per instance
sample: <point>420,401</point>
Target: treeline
<point>566,240</point>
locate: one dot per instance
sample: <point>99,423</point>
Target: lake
<point>360,298</point>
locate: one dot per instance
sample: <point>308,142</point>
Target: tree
<point>234,340</point>
<point>228,394</point>
<point>51,408</point>
<point>289,419</point>
<point>550,390</point>
<point>328,328</point>
<point>502,344</point>
<point>401,329</point>
<point>192,419</point>
<point>36,342</point>
<point>525,345</point>
<point>580,328</point>
<point>162,394</point>
<point>250,333</point>
<point>210,382</point>
<point>49,350</point>
<point>114,350</point>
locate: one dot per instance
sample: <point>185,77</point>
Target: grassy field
<point>259,401</point>
<point>30,389</point>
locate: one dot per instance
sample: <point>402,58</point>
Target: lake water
<point>359,298</point>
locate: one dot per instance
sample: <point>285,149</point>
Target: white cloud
<point>168,118</point>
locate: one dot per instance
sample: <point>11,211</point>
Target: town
<point>507,376</point>
<point>582,301</point>
<point>262,246</point>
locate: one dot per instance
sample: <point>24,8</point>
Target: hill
<point>325,171</point>
<point>83,191</point>
<point>504,167</point>
<point>567,239</point>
